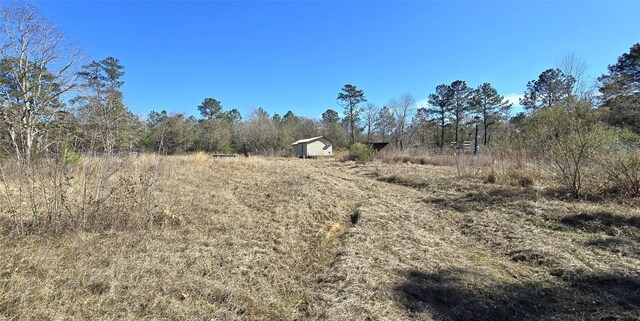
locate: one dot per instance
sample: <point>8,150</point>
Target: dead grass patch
<point>288,239</point>
<point>95,194</point>
<point>393,179</point>
<point>450,294</point>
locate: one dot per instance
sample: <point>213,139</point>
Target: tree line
<point>51,102</point>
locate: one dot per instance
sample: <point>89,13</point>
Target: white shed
<point>313,147</point>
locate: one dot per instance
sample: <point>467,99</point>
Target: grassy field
<point>291,239</point>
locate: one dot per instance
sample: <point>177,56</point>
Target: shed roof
<point>377,146</point>
<point>309,140</point>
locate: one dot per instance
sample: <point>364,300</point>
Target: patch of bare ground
<point>293,239</point>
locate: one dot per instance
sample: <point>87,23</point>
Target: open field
<point>291,239</point>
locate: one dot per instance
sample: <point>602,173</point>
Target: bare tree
<point>36,68</point>
<point>574,66</point>
<point>370,116</point>
<point>384,123</point>
<point>401,110</point>
<point>421,123</point>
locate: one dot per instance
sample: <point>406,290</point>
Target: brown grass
<point>294,239</point>
<point>91,194</point>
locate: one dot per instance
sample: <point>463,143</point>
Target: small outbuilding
<point>378,147</point>
<point>313,147</point>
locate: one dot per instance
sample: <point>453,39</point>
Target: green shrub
<point>69,156</point>
<point>569,140</point>
<point>361,153</point>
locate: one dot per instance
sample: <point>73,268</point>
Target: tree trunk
<point>485,139</point>
<point>14,142</point>
<point>353,131</point>
<point>456,146</point>
<point>442,135</point>
<point>475,145</point>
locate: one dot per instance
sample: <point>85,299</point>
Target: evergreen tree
<point>332,129</point>
<point>330,117</point>
<point>210,108</point>
<point>101,107</point>
<point>232,116</point>
<point>460,104</point>
<point>620,90</point>
<point>350,97</point>
<point>440,109</point>
<point>551,88</point>
<point>491,107</point>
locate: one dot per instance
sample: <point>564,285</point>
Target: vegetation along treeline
<point>54,102</point>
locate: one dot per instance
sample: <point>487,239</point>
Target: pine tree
<point>350,97</point>
<point>440,103</point>
<point>103,113</point>
<point>460,104</point>
<point>551,88</point>
<point>620,90</point>
<point>491,107</point>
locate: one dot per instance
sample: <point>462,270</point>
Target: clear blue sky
<point>297,55</point>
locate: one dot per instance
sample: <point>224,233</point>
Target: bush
<point>525,180</point>
<point>491,177</point>
<point>569,140</point>
<point>623,171</point>
<point>99,194</point>
<point>70,157</point>
<point>361,153</point>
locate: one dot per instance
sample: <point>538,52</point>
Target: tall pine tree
<point>102,111</point>
<point>349,98</point>
<point>491,107</point>
<point>440,109</point>
<point>460,98</point>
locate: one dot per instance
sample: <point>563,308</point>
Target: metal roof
<point>308,140</point>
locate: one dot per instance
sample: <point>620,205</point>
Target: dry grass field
<point>292,239</point>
